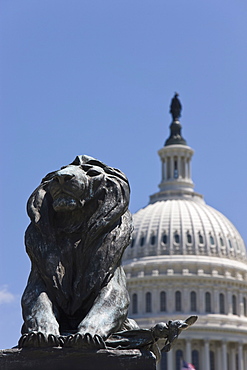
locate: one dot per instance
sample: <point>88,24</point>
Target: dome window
<point>222,303</point>
<point>237,245</point>
<point>175,169</point>
<point>178,301</point>
<point>193,307</point>
<point>148,302</point>
<point>211,240</point>
<point>163,361</point>
<point>176,237</point>
<point>189,238</point>
<point>234,305</point>
<point>208,302</point>
<point>134,303</point>
<point>201,241</point>
<point>230,243</point>
<point>212,360</point>
<point>153,239</point>
<point>142,241</point>
<point>221,242</point>
<point>163,301</point>
<point>195,358</point>
<point>164,238</point>
<point>245,306</point>
<point>179,359</point>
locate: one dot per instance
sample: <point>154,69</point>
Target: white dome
<point>184,227</point>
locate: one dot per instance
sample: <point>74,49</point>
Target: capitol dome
<point>186,258</point>
<point>184,227</point>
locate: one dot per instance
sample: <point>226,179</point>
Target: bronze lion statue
<point>80,227</point>
<point>76,293</point>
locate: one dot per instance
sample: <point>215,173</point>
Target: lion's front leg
<point>40,326</point>
<point>106,316</point>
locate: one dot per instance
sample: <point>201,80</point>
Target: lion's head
<point>86,193</point>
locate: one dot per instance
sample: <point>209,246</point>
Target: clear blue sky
<point>96,77</point>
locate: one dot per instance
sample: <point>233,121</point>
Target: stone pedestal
<point>71,359</point>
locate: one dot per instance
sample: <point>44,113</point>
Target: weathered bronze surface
<point>80,226</point>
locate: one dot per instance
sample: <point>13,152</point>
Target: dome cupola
<point>176,182</point>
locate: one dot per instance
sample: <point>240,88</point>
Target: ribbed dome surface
<point>184,227</point>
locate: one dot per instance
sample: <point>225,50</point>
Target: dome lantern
<point>176,161</point>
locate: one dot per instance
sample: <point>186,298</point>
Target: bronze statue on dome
<point>175,107</point>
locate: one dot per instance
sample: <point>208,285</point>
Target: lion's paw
<point>85,341</point>
<point>38,339</point>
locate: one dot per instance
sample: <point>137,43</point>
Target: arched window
<point>222,303</point>
<point>148,302</point>
<point>230,243</point>
<point>245,306</point>
<point>195,359</point>
<point>162,301</point>
<point>221,242</point>
<point>189,238</point>
<point>163,361</point>
<point>152,239</point>
<point>179,358</point>
<point>201,241</point>
<point>178,301</point>
<point>175,169</point>
<point>212,360</point>
<point>176,237</point>
<point>234,305</point>
<point>193,307</point>
<point>134,303</point>
<point>164,238</point>
<point>142,241</point>
<point>208,302</point>
<point>211,239</point>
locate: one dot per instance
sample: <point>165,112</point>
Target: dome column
<point>240,356</point>
<point>163,170</point>
<point>188,350</point>
<point>241,305</point>
<point>229,301</point>
<point>170,360</point>
<point>245,359</point>
<point>216,301</point>
<point>224,355</point>
<point>180,167</point>
<point>141,302</point>
<point>170,299</point>
<point>206,354</point>
<point>218,356</point>
<point>172,168</point>
<point>201,300</point>
<point>233,359</point>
